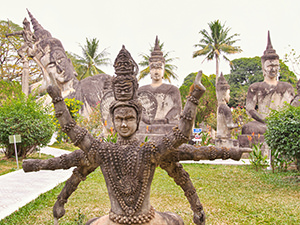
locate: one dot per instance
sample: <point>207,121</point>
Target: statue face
<point>271,68</point>
<point>157,70</point>
<point>57,64</point>
<point>125,121</point>
<point>123,91</point>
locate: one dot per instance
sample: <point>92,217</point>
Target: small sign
<point>197,130</point>
<point>12,140</point>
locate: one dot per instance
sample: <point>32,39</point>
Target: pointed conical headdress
<point>157,54</point>
<point>39,31</point>
<point>269,53</point>
<point>222,84</point>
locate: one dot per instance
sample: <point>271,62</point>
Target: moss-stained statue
<point>128,166</point>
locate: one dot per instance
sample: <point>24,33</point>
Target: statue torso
<point>269,96</point>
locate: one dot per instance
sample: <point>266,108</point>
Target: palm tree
<point>169,68</point>
<point>217,42</point>
<point>88,64</point>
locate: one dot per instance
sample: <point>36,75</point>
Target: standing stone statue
<point>167,96</point>
<point>266,95</point>
<point>224,117</point>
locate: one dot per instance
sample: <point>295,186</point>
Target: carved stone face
<point>125,121</point>
<point>157,70</point>
<point>57,64</point>
<point>271,68</point>
<point>123,91</point>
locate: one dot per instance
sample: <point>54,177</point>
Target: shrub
<point>93,123</point>
<point>24,116</point>
<point>283,133</point>
<point>73,106</point>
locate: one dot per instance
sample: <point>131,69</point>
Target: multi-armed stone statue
<point>128,166</point>
<point>266,95</point>
<point>166,107</point>
<point>224,117</point>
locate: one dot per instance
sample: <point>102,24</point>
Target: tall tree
<point>88,64</point>
<point>169,68</point>
<point>215,42</point>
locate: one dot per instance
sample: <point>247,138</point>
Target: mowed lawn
<point>229,194</point>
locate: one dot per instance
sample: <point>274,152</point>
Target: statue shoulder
<point>145,88</point>
<point>285,86</point>
<point>256,86</point>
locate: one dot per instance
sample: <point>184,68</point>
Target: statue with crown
<point>264,96</point>
<point>128,165</point>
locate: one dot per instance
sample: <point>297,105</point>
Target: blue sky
<point>135,23</point>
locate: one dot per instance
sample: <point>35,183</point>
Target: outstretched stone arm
<point>182,178</point>
<point>192,152</point>
<point>79,174</point>
<point>190,109</point>
<point>79,136</point>
<point>65,161</point>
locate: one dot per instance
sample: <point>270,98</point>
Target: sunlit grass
<point>230,195</point>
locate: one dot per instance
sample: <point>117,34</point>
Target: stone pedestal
<point>244,142</point>
<point>153,131</point>
<point>228,143</point>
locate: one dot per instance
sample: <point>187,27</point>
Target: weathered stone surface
<point>224,117</point>
<point>266,95</point>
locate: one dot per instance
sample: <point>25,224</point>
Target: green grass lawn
<point>229,194</point>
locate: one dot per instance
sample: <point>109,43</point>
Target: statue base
<point>228,143</point>
<point>154,131</point>
<point>245,142</point>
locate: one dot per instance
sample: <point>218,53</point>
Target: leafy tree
<point>9,89</point>
<point>10,62</point>
<point>215,42</point>
<point>169,68</point>
<point>294,59</point>
<point>246,71</point>
<point>24,116</point>
<point>88,64</point>
<point>283,133</point>
<point>208,102</point>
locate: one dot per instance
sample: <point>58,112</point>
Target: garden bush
<point>283,134</point>
<point>22,115</point>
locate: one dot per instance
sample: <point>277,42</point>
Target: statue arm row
<point>65,161</point>
<point>192,152</point>
<point>79,136</point>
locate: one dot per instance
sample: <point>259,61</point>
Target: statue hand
<point>30,165</point>
<point>198,83</point>
<point>54,91</point>
<point>199,219</point>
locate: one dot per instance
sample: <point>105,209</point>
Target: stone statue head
<point>157,63</point>
<point>270,61</point>
<point>125,84</point>
<point>126,110</point>
<point>52,54</point>
<point>223,89</point>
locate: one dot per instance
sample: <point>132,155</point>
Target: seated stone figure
<point>224,117</point>
<point>266,95</point>
<point>51,57</point>
<point>167,96</point>
<point>296,100</point>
